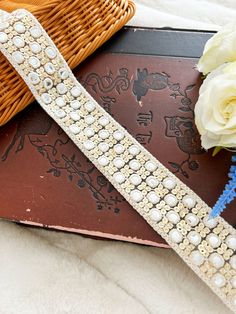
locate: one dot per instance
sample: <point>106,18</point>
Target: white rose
<point>215,110</point>
<point>219,49</point>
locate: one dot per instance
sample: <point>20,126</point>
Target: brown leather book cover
<point>146,79</point>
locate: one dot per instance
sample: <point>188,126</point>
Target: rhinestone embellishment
<point>75,91</point>
<point>19,27</point>
<point>61,88</point>
<point>173,217</point>
<point>34,62</point>
<point>118,162</point>
<point>35,32</point>
<point>136,196</point>
<point>103,147</point>
<point>119,177</point>
<point>74,128</point>
<point>51,52</point>
<point>48,83</point>
<point>155,215</point>
<point>3,38</point>
<point>60,102</point>
<point>169,183</point>
<point>34,78</point>
<point>75,104</point>
<point>18,57</point>
<point>17,41</point>
<point>197,258</point>
<point>35,47</point>
<point>49,68</point>
<point>152,182</point>
<point>150,166</point>
<point>103,121</point>
<point>135,179</point>
<point>176,236</point>
<point>134,150</point>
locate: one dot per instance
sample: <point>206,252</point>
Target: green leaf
<point>216,150</point>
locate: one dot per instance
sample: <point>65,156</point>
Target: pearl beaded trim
<point>168,205</point>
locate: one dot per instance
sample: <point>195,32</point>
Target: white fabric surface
<point>45,272</point>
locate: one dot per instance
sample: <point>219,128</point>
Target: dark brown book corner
<point>146,79</point>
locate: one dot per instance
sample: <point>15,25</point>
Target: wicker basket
<point>78,27</point>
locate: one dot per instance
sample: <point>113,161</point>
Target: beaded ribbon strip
<point>168,205</point>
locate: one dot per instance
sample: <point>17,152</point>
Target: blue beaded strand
<point>228,194</point>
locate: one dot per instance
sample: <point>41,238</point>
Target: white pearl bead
<point>153,198</point>
<point>136,196</point>
<point>48,83</point>
<point>210,223</point>
<point>51,52</point>
<point>61,88</point>
<point>175,236</point>
<point>213,240</point>
<point>152,182</point>
<point>169,183</point>
<point>35,47</point>
<point>134,150</point>
<point>18,57</point>
<point>19,14</point>
<point>46,98</point>
<point>103,121</point>
<point>134,165</point>
<point>192,219</point>
<point>89,145</point>
<point>19,27</point>
<point>194,237</point>
<point>89,106</point>
<point>34,62</point>
<point>74,128</point>
<point>173,217</point>
<point>74,116</point>
<point>231,242</point>
<point>197,258</point>
<point>103,161</point>
<point>89,119</point>
<point>119,149</point>
<point>75,91</point>
<point>233,281</point>
<point>18,42</point>
<point>60,113</point>
<point>135,179</point>
<point>34,78</point>
<point>171,200</point>
<point>63,73</point>
<point>188,201</point>
<point>216,260</point>
<point>234,300</point>
<point>3,26</point>
<point>119,177</point>
<point>118,135</point>
<point>104,147</point>
<point>49,68</point>
<point>75,104</point>
<point>103,134</point>
<point>3,38</point>
<point>89,132</point>
<point>218,280</point>
<point>35,32</point>
<point>118,162</point>
<point>232,261</point>
<point>60,102</point>
<point>155,214</point>
<point>150,166</point>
